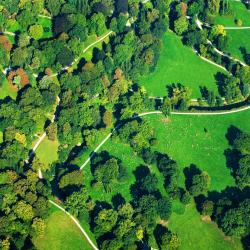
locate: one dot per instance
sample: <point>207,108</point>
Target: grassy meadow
<point>61,233</point>
<point>198,140</point>
<point>179,64</point>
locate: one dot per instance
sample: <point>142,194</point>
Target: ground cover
<point>47,26</point>
<point>6,91</point>
<point>239,43</point>
<point>239,12</point>
<point>188,140</point>
<point>179,64</point>
<point>197,233</point>
<point>61,233</point>
<point>47,151</point>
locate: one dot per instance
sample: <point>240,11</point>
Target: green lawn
<point>185,140</point>
<point>188,140</point>
<point>47,151</point>
<point>239,12</point>
<point>238,39</point>
<point>61,234</point>
<point>179,64</point>
<point>6,91</point>
<point>47,26</point>
<point>198,234</point>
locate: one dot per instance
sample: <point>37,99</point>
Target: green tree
<point>36,31</point>
<point>199,184</point>
<point>181,25</point>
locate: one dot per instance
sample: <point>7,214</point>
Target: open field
<point>188,140</point>
<point>179,64</point>
<point>239,39</point>
<point>47,151</point>
<point>61,233</point>
<point>198,234</point>
<point>6,91</point>
<point>47,26</point>
<point>239,12</point>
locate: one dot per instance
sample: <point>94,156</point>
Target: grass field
<point>47,151</point>
<point>198,234</point>
<point>47,26</point>
<point>188,140</point>
<point>179,64</point>
<point>6,91</point>
<point>61,234</point>
<point>239,39</point>
<point>239,12</point>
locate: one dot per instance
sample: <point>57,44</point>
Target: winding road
<point>157,113</point>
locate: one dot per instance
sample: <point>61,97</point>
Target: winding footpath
<point>215,113</point>
<point>77,224</point>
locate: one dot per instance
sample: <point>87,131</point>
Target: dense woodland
<point>89,96</point>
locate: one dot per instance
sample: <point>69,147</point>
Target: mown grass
<point>238,42</point>
<point>189,140</point>
<point>179,64</point>
<point>199,140</point>
<point>47,27</point>
<point>196,233</point>
<point>6,91</point>
<point>239,12</point>
<point>61,234</point>
<point>47,151</point>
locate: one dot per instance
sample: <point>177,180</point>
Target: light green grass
<point>195,233</point>
<point>239,12</point>
<point>179,64</point>
<point>184,139</point>
<point>47,151</point>
<point>238,39</point>
<point>6,91</point>
<point>1,136</point>
<point>61,234</point>
<point>46,23</point>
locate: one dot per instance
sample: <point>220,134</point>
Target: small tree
<point>180,25</point>
<point>36,31</point>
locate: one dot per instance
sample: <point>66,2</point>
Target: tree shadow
<point>245,54</point>
<point>232,133</point>
<point>118,200</point>
<point>189,172</point>
<point>220,80</point>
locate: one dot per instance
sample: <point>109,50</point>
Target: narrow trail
<point>216,113</point>
<point>77,224</point>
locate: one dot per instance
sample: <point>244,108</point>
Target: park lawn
<point>240,12</point>
<point>179,64</point>
<point>130,160</point>
<point>1,136</point>
<point>239,39</point>
<point>47,151</point>
<point>184,139</point>
<point>195,233</point>
<point>47,26</point>
<point>6,91</point>
<point>61,233</point>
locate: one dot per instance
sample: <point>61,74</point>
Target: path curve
<point>77,224</point>
<point>159,112</point>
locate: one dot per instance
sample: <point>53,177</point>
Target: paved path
<point>159,112</point>
<point>77,224</point>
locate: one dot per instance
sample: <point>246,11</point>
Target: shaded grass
<point>239,39</point>
<point>200,140</point>
<point>61,234</point>
<point>47,25</point>
<point>239,12</point>
<point>47,151</point>
<point>197,234</point>
<point>179,64</point>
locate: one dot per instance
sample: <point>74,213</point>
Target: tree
<point>24,211</point>
<point>169,241</point>
<point>74,178</point>
<point>180,25</point>
<point>65,57</point>
<point>51,131</point>
<point>38,227</point>
<point>218,30</point>
<point>207,208</point>
<point>166,107</point>
<point>36,31</point>
<point>108,118</point>
<point>97,24</point>
<point>213,6</point>
<point>199,184</point>
<point>243,172</point>
<point>105,221</point>
<point>242,143</point>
